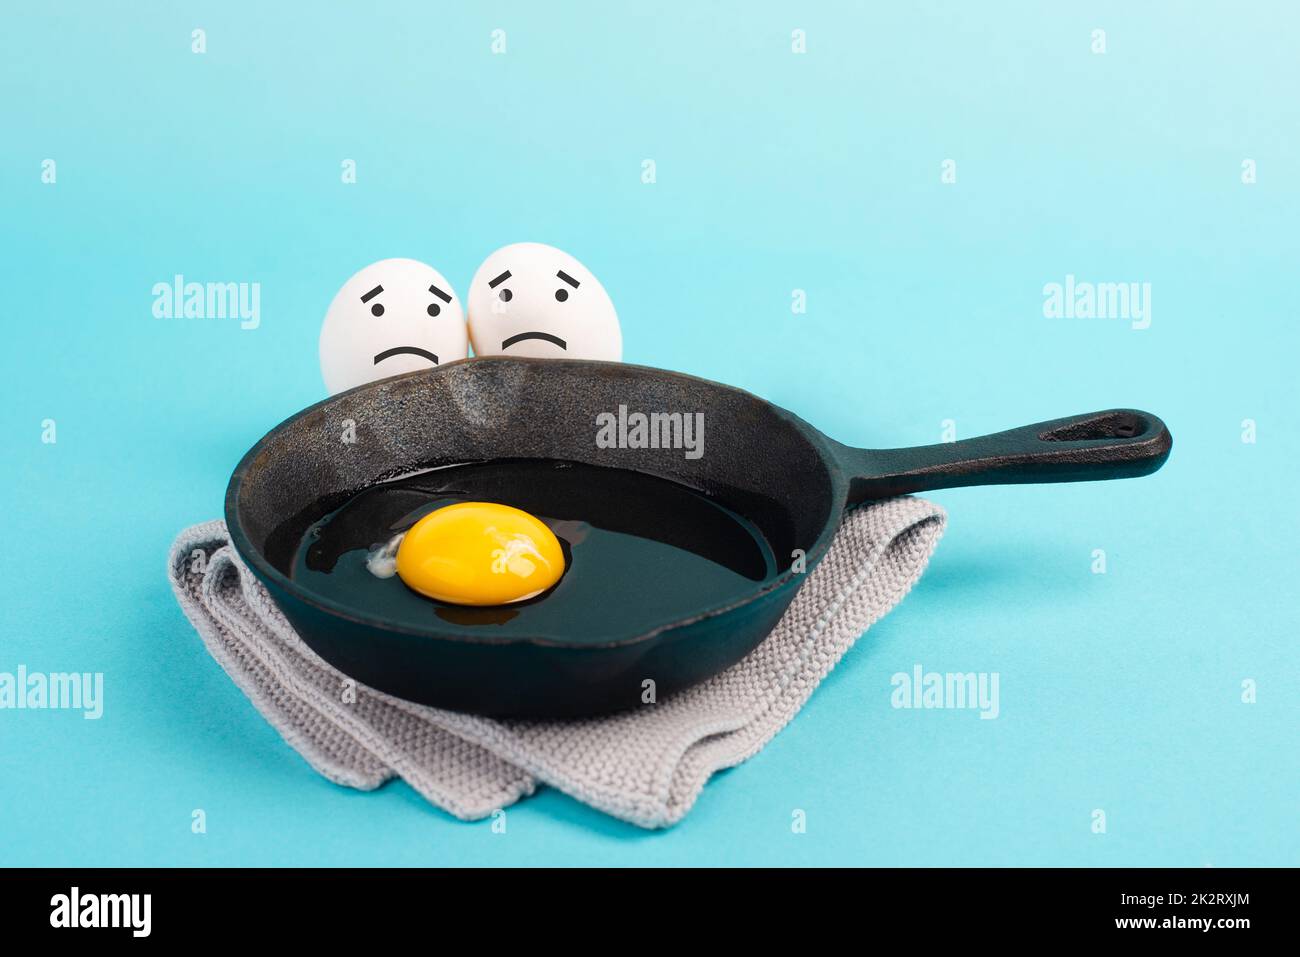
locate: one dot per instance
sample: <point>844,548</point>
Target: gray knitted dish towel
<point>645,766</point>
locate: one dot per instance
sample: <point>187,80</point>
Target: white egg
<point>529,299</point>
<point>394,316</point>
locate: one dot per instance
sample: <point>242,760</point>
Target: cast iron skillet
<point>788,479</point>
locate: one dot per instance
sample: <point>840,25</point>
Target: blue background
<point>776,172</point>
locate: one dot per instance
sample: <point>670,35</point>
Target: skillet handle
<point>1117,443</point>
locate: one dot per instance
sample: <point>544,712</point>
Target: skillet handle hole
<point>1109,425</point>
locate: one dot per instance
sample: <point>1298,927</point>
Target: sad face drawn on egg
<point>529,299</point>
<point>393,316</point>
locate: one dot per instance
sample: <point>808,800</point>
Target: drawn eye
<point>434,309</point>
<point>506,295</point>
<point>377,309</point>
<point>562,294</point>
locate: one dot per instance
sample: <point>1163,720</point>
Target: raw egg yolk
<point>479,553</point>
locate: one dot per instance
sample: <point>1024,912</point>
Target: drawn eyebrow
<point>500,279</point>
<point>372,293</point>
<point>440,294</point>
<point>567,278</point>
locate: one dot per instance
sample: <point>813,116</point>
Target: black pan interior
<point>757,460</point>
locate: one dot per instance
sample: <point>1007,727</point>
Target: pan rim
<point>258,563</point>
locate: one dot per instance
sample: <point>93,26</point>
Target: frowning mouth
<point>406,351</point>
<point>544,336</point>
